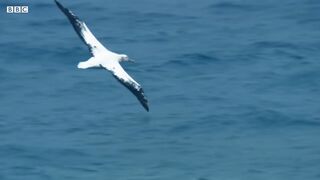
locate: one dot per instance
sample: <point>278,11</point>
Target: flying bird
<point>104,58</point>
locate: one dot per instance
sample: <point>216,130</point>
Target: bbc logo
<point>17,9</point>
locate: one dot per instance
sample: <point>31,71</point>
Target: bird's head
<point>124,57</point>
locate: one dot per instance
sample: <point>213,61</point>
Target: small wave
<point>160,15</point>
<point>301,122</point>
<point>180,128</point>
<point>193,59</point>
<point>229,6</point>
<point>200,57</point>
<point>276,44</point>
<point>42,5</point>
<point>276,119</point>
<point>311,20</point>
<point>12,149</point>
<point>3,72</point>
<point>306,80</point>
<point>9,3</point>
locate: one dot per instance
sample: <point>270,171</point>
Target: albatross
<point>104,58</point>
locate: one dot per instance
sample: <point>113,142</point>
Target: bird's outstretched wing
<point>123,77</point>
<point>83,31</point>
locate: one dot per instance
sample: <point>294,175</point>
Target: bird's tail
<point>91,63</point>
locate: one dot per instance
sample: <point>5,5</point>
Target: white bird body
<point>104,58</point>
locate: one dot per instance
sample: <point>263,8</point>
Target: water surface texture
<point>233,86</point>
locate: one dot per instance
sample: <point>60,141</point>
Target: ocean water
<point>233,86</point>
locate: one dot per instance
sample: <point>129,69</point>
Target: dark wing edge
<point>77,24</point>
<point>137,91</point>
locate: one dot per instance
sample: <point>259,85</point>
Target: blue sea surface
<point>233,87</point>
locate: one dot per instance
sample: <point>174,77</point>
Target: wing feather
<point>82,30</point>
<point>135,88</point>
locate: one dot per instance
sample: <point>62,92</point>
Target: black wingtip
<point>63,9</point>
<point>58,4</point>
<point>143,101</point>
<point>66,11</point>
<point>146,107</point>
<point>138,92</point>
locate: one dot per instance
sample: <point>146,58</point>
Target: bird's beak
<point>131,60</point>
